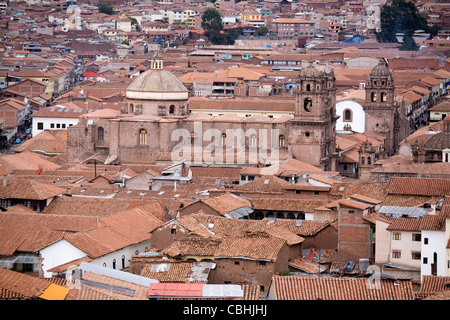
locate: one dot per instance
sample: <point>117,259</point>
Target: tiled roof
<point>305,229</point>
<point>345,190</point>
<point>87,292</point>
<point>445,211</point>
<point>432,222</point>
<point>28,189</point>
<point>44,141</point>
<point>328,288</point>
<point>271,183</point>
<point>405,224</point>
<point>419,186</point>
<point>257,246</point>
<point>353,204</point>
<point>22,286</point>
<point>251,292</point>
<point>227,203</point>
<point>32,232</point>
<point>192,245</point>
<point>27,161</point>
<point>116,232</point>
<point>434,284</point>
<point>288,204</point>
<point>83,206</point>
<point>175,271</point>
<point>365,199</point>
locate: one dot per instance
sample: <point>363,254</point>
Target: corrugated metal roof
<point>116,274</point>
<point>394,211</point>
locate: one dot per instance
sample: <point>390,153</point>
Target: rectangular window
<point>396,235</point>
<point>63,125</point>
<point>396,254</point>
<point>415,255</point>
<point>261,263</point>
<point>173,231</point>
<point>297,191</point>
<point>58,125</point>
<point>52,125</point>
<point>425,260</point>
<point>40,126</point>
<point>425,240</point>
<point>416,237</point>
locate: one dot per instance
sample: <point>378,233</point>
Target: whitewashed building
<point>57,117</point>
<point>434,242</point>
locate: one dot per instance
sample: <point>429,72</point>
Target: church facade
<point>156,126</point>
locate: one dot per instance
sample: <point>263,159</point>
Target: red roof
<point>90,74</point>
<point>175,290</point>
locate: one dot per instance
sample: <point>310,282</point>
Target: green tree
<point>408,42</point>
<point>399,17</point>
<point>211,22</point>
<point>434,29</point>
<point>106,8</point>
<point>262,30</point>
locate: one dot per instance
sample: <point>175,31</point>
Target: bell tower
<point>313,129</point>
<point>380,106</point>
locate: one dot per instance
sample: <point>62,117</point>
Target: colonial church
<point>156,125</point>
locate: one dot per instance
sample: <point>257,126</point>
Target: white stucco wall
<point>436,243</point>
<point>59,253</point>
<point>127,253</point>
<point>406,245</point>
<point>48,121</point>
<point>358,119</point>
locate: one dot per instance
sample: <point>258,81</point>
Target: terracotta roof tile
<point>432,222</point>
<point>329,288</point>
<point>116,232</point>
<point>177,271</point>
<point>19,285</point>
<point>32,232</point>
<point>434,284</point>
<point>405,224</point>
<point>419,186</point>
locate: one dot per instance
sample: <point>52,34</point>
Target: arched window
<point>282,142</point>
<point>280,215</point>
<point>100,134</point>
<point>252,140</point>
<point>131,110</point>
<point>123,262</point>
<point>142,137</point>
<point>383,97</point>
<point>114,263</point>
<point>373,96</point>
<point>308,87</point>
<point>307,104</point>
<point>369,160</point>
<point>224,138</point>
<point>172,109</point>
<point>348,115</point>
<point>363,160</point>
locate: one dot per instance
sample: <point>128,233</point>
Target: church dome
<point>157,84</point>
<point>310,71</point>
<point>441,140</point>
<point>380,70</point>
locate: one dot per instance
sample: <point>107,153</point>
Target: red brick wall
<point>354,233</point>
<point>248,271</point>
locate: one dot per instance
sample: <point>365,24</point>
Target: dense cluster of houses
<point>376,228</point>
